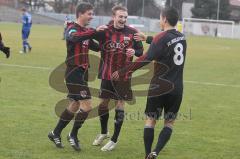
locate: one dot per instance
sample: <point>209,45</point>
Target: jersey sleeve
<point>149,39</point>
<point>154,50</point>
<point>138,47</point>
<point>99,36</point>
<point>94,46</point>
<point>74,35</point>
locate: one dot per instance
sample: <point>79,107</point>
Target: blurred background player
<point>26,28</point>
<point>4,49</point>
<point>168,48</point>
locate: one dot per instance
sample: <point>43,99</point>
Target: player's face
<point>86,17</point>
<point>120,19</point>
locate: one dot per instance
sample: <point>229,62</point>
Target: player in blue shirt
<point>26,28</point>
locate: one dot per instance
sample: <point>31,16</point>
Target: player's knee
<point>86,105</point>
<point>73,106</point>
<point>150,123</point>
<point>120,104</point>
<point>169,123</point>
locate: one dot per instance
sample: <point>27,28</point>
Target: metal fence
<point>143,24</point>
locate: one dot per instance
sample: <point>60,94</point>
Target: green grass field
<point>208,127</point>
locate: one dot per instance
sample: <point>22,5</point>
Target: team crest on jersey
<point>85,43</point>
<point>83,94</point>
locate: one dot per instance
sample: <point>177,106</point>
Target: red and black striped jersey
<point>78,41</point>
<point>113,44</point>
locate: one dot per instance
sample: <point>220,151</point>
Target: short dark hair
<point>82,8</point>
<point>118,7</point>
<point>171,15</point>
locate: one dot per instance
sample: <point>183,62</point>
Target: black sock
<point>148,139</point>
<point>163,138</point>
<point>65,118</point>
<point>103,113</point>
<point>79,120</point>
<point>119,117</point>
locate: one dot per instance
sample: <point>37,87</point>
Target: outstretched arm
<point>151,54</point>
<point>75,36</point>
<point>140,36</point>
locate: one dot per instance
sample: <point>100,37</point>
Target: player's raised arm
<point>140,36</point>
<point>149,56</point>
<point>74,35</point>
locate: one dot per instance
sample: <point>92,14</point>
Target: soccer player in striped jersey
<point>168,49</point>
<point>76,76</point>
<point>117,50</point>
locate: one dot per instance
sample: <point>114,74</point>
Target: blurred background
<point>219,18</point>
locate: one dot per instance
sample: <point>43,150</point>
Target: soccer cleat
<point>109,146</point>
<point>99,139</point>
<point>29,49</point>
<point>55,139</point>
<point>152,155</point>
<point>74,142</point>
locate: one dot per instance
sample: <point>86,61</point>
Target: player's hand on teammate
<point>101,28</point>
<point>121,74</point>
<point>115,75</point>
<point>140,36</point>
<point>130,52</point>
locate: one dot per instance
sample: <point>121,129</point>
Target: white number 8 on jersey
<point>178,57</point>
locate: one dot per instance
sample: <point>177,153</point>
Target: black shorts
<point>77,83</point>
<point>170,103</point>
<point>117,90</point>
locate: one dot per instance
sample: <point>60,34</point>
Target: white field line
<point>212,84</point>
<point>24,66</point>
<point>186,81</point>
